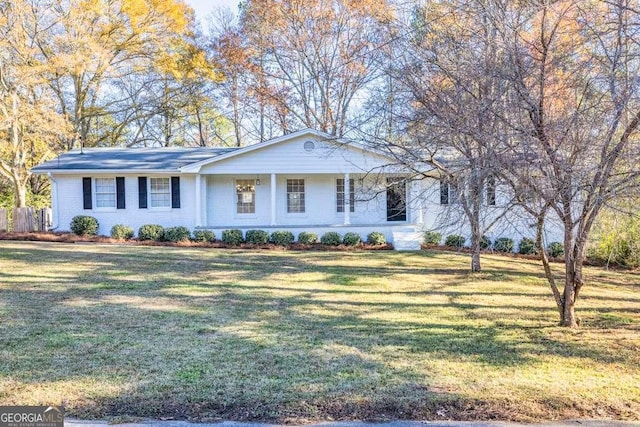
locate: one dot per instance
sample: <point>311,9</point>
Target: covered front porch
<point>317,202</point>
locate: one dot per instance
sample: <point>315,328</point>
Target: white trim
<point>95,172</point>
<point>158,208</point>
<point>54,202</point>
<point>94,189</point>
<point>198,197</point>
<point>240,215</point>
<point>304,197</point>
<point>347,199</point>
<point>273,200</point>
<point>204,189</point>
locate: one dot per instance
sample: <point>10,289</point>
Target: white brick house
<point>304,181</point>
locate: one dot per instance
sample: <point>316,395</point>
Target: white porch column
<point>198,196</point>
<point>273,199</point>
<point>347,201</point>
<point>203,201</point>
<point>420,201</point>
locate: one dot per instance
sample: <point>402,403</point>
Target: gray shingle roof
<point>129,159</point>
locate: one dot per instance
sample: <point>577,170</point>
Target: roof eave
<point>104,171</point>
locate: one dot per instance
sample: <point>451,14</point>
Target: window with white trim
<point>160,192</point>
<point>105,192</point>
<point>448,192</point>
<point>246,196</point>
<point>340,195</point>
<point>295,196</point>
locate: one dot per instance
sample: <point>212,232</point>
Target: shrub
<point>151,232</point>
<point>177,234</point>
<point>503,244</point>
<point>204,236</point>
<point>485,242</point>
<point>455,240</point>
<point>121,232</point>
<point>432,238</point>
<point>615,239</point>
<point>257,237</point>
<point>307,238</point>
<point>556,249</point>
<point>282,237</point>
<point>232,237</point>
<point>351,239</point>
<point>331,238</point>
<point>84,225</point>
<point>527,246</point>
<point>376,238</point>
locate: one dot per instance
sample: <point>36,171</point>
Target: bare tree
<point>445,68</point>
<point>574,108</point>
<point>313,57</point>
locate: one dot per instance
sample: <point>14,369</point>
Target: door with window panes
<point>396,199</point>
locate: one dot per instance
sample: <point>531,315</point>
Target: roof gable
<point>195,167</point>
<point>284,149</point>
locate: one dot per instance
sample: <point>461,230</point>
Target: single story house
<point>303,181</point>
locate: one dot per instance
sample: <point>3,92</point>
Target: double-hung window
<point>340,196</point>
<point>448,192</point>
<point>160,192</point>
<point>245,196</point>
<point>295,196</point>
<point>105,192</point>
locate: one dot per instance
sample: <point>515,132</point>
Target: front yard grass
<point>131,331</point>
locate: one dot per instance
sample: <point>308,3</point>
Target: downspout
<point>54,202</point>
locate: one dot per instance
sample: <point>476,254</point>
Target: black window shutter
<point>444,192</point>
<point>175,192</point>
<point>120,203</point>
<point>142,192</point>
<point>86,193</point>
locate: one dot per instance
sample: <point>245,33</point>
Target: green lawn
<point>132,331</point>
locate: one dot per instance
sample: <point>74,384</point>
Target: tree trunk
<point>20,194</point>
<point>475,259</point>
<point>571,282</point>
<point>569,318</point>
<point>475,249</point>
<point>201,140</point>
<point>547,266</point>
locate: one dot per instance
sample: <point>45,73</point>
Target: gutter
<point>54,202</point>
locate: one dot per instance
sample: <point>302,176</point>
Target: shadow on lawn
<point>248,351</point>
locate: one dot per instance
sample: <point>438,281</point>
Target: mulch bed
<point>74,238</point>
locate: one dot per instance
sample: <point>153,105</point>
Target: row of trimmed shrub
<point>526,246</point>
<point>87,225</point>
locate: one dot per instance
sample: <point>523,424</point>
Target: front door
<point>396,199</point>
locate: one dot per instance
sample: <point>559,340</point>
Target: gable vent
<point>309,146</point>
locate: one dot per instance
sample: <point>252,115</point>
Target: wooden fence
<point>25,220</point>
<point>45,219</point>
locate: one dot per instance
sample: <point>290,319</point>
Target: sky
<point>205,7</point>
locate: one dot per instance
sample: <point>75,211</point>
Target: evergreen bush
<point>121,232</point>
<point>84,225</point>
<point>151,232</point>
<point>331,238</point>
